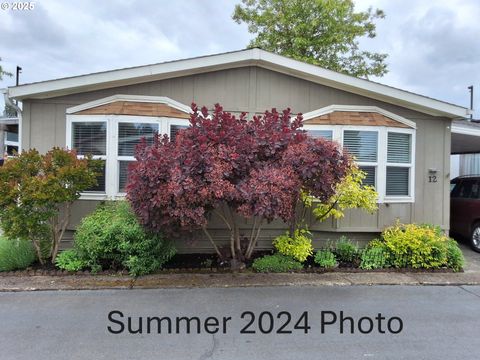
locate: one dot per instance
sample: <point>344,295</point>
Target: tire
<point>475,238</point>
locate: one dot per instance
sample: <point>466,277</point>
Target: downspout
<point>9,102</point>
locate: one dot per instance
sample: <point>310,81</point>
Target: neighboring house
<point>9,141</point>
<point>401,139</point>
<point>466,148</point>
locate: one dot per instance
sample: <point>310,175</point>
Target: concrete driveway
<point>472,258</point>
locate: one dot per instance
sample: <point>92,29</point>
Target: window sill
<point>101,196</point>
<point>400,199</point>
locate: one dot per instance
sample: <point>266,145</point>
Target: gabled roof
<point>242,58</point>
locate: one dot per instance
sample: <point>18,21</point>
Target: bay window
<point>113,139</point>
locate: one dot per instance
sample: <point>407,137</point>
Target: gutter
<point>9,101</point>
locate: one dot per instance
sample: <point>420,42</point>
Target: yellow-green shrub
<point>299,246</point>
<point>416,246</point>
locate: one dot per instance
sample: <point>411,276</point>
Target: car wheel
<point>475,238</point>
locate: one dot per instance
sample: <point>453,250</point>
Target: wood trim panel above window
<point>357,115</point>
<point>354,118</point>
<point>135,109</point>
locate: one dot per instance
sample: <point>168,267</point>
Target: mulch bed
<point>210,263</point>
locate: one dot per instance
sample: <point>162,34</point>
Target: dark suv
<point>465,209</point>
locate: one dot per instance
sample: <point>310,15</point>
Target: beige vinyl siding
<point>254,89</point>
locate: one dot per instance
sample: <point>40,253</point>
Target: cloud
<point>433,47</point>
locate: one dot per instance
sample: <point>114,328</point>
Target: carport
<point>465,137</point>
<point>465,159</point>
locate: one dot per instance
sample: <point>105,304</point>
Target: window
<point>129,136</point>
<point>174,129</point>
<point>113,139</point>
<point>385,154</point>
<point>319,131</point>
<point>399,163</point>
<point>90,138</point>
<point>363,146</point>
<point>11,143</point>
<point>466,189</point>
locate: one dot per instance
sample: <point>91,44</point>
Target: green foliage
<point>70,260</point>
<point>320,32</point>
<point>375,256</point>
<point>325,259</point>
<point>345,250</point>
<point>36,192</point>
<point>15,254</point>
<point>276,263</point>
<point>349,194</point>
<point>455,259</point>
<point>3,72</point>
<point>111,236</point>
<point>299,246</point>
<point>416,246</point>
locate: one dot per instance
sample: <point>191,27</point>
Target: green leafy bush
<point>112,237</point>
<point>455,259</point>
<point>299,246</point>
<point>15,254</point>
<point>416,246</point>
<point>345,250</point>
<point>325,259</point>
<point>70,260</point>
<point>375,256</point>
<point>276,263</point>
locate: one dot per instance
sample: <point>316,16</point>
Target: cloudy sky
<point>433,46</point>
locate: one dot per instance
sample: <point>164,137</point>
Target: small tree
<point>234,168</point>
<point>350,193</point>
<point>36,193</point>
<point>320,32</point>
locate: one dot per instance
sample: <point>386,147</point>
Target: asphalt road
<point>436,322</point>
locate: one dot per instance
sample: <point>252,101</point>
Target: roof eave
<point>241,58</point>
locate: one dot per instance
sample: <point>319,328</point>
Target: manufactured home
<point>401,139</point>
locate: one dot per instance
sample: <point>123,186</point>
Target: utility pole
<point>470,88</point>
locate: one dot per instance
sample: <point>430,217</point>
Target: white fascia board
<point>131,75</point>
<point>361,86</point>
<point>359,108</point>
<point>459,129</point>
<point>134,98</point>
<point>237,59</point>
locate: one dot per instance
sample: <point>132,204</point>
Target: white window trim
<point>381,164</point>
<point>111,158</point>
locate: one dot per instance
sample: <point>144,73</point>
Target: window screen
<point>130,134</point>
<point>89,138</point>
<point>370,172</point>
<point>399,148</point>
<point>174,129</point>
<point>397,181</point>
<point>100,187</point>
<point>361,144</point>
<point>327,134</point>
<point>123,175</point>
<point>10,136</point>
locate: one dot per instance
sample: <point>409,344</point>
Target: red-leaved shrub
<point>234,168</point>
